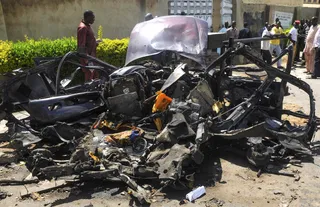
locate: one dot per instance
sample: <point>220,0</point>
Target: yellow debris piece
<point>161,104</point>
<point>95,158</point>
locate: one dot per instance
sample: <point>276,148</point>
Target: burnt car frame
<point>208,103</point>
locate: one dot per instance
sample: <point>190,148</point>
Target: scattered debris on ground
<point>3,195</point>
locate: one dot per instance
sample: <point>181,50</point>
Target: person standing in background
<point>265,46</point>
<point>316,47</point>
<point>276,22</point>
<point>275,44</point>
<point>307,27</point>
<point>225,27</point>
<point>87,43</point>
<point>263,28</point>
<point>232,33</point>
<point>300,40</point>
<point>245,32</point>
<point>282,43</point>
<point>293,37</point>
<point>309,52</point>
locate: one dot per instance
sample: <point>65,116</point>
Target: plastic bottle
<point>196,193</point>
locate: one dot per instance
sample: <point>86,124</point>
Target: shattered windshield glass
<point>184,35</point>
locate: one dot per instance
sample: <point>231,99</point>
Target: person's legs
<point>307,57</point>
<point>95,74</point>
<point>87,74</point>
<point>228,61</point>
<point>271,49</point>
<point>266,56</point>
<point>311,61</point>
<point>263,55</point>
<point>294,53</point>
<point>278,51</point>
<point>316,70</point>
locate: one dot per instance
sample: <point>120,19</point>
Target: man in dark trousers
<point>232,33</point>
<point>245,32</point>
<point>262,29</point>
<point>316,47</point>
<point>301,40</point>
<point>87,43</point>
<point>265,45</point>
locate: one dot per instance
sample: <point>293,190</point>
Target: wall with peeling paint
<point>59,18</point>
<point>254,15</point>
<point>257,14</point>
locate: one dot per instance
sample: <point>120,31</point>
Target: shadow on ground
<point>90,190</point>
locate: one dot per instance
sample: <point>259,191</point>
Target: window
<point>312,1</point>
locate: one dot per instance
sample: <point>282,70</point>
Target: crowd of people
<point>304,35</point>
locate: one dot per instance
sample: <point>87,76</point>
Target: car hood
<point>187,36</point>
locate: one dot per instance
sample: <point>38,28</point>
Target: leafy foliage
<point>100,32</point>
<point>5,50</point>
<point>19,54</point>
<point>113,51</point>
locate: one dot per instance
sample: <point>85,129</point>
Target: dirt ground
<point>229,180</point>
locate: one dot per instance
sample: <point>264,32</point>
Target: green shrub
<point>113,51</point>
<point>23,52</point>
<point>19,54</point>
<point>5,50</point>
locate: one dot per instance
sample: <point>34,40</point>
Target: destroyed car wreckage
<point>152,118</point>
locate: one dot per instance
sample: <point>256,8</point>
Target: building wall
<point>306,13</point>
<point>59,18</point>
<point>257,14</point>
<point>157,7</point>
<point>254,15</point>
<point>3,30</point>
<point>274,8</point>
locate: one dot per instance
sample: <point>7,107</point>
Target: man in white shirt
<point>233,32</point>
<point>265,46</point>
<point>316,46</point>
<point>293,37</point>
